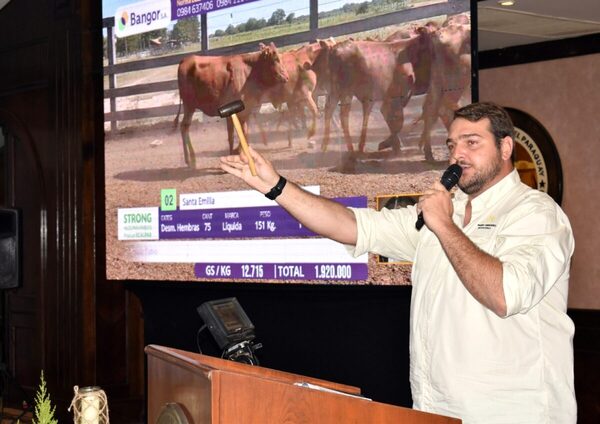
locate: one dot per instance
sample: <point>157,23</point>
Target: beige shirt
<point>465,361</point>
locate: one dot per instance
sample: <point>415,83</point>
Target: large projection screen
<point>360,119</point>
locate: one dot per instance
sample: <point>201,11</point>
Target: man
<point>490,339</point>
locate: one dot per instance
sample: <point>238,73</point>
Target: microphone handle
<point>420,221</point>
<point>449,179</point>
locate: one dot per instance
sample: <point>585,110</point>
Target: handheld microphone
<point>449,179</point>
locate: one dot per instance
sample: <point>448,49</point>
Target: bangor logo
<point>142,17</point>
<point>145,18</point>
<point>122,21</point>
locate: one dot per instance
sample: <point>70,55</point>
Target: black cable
<point>200,330</point>
<point>242,352</point>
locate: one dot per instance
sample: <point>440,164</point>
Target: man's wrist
<point>277,189</point>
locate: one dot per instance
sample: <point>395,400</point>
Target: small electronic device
<point>231,328</point>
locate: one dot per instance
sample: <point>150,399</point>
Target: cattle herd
<point>432,60</point>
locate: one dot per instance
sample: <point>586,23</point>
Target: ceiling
<point>534,21</point>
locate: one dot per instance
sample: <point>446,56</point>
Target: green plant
<point>44,411</point>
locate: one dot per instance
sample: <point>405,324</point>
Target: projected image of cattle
<point>361,111</point>
<point>431,60</point>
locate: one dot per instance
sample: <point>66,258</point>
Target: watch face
<point>535,155</point>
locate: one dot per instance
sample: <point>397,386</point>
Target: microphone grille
<point>451,176</point>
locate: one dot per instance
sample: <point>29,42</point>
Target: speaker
<point>10,248</point>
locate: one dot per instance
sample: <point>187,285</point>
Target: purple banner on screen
<point>303,271</point>
<point>185,8</point>
<point>251,222</point>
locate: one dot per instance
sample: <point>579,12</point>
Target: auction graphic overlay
<point>274,247</point>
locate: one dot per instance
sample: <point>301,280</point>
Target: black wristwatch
<point>276,191</point>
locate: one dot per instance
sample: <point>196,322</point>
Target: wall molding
<point>538,52</point>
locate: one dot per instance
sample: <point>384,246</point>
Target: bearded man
<point>490,340</point>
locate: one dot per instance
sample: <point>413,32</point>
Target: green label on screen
<point>168,199</point>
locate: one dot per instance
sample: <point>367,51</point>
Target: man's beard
<point>481,177</point>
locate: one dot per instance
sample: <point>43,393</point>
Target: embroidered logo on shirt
<point>490,224</point>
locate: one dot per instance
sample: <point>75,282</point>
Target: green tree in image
<point>362,8</point>
<point>277,17</point>
<point>187,30</point>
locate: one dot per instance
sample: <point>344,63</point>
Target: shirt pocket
<point>485,237</point>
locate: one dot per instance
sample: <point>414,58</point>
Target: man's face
<point>472,146</point>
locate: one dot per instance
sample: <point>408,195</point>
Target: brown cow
<point>460,19</point>
<point>209,82</point>
<point>422,67</point>
<point>372,71</point>
<point>305,66</point>
<point>450,76</point>
<point>412,30</point>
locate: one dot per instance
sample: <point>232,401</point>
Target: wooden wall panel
<point>65,319</point>
<point>24,307</point>
<point>24,66</point>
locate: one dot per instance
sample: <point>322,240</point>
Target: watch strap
<point>276,191</point>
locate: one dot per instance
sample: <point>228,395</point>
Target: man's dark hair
<point>501,124</point>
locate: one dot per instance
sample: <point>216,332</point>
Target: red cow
<point>422,67</point>
<point>460,19</point>
<point>450,76</point>
<point>305,66</point>
<point>372,71</point>
<point>209,82</point>
<point>412,30</point>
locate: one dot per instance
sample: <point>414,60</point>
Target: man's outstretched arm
<point>323,216</point>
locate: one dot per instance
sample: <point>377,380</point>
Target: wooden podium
<point>216,391</point>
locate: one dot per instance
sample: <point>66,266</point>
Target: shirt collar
<point>491,195</point>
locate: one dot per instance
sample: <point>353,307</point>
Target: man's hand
<point>266,176</point>
<point>436,205</point>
